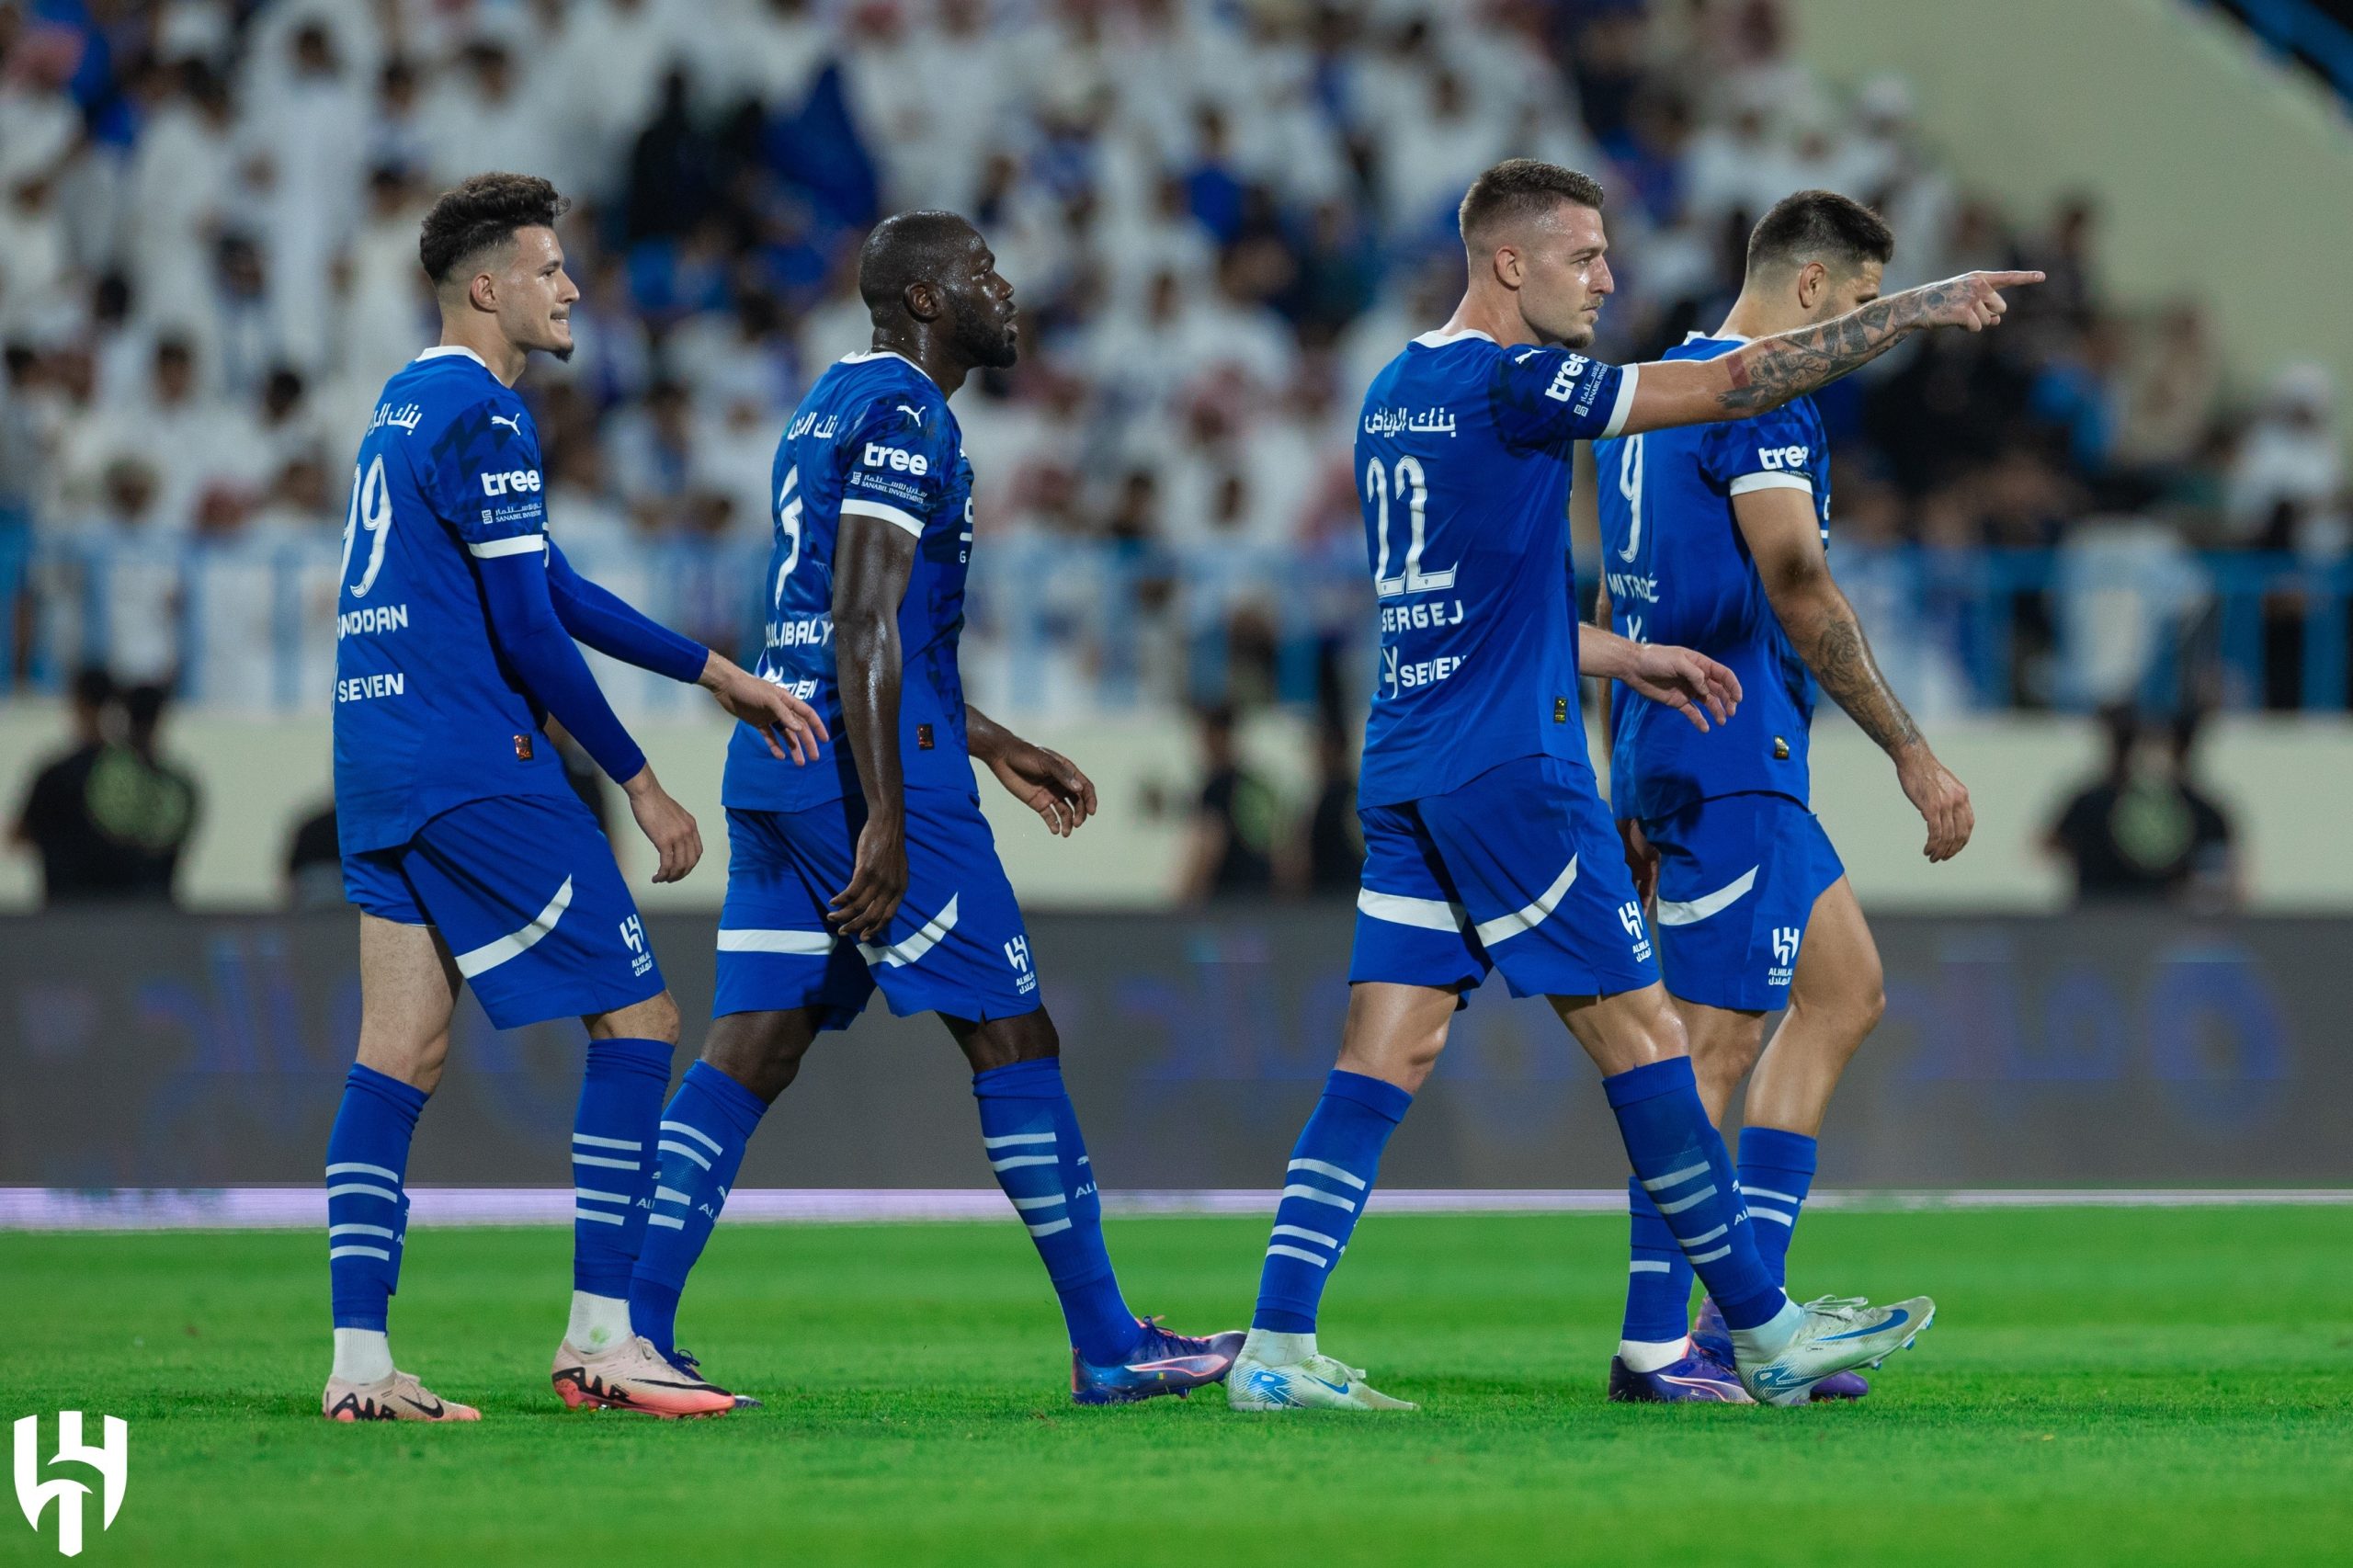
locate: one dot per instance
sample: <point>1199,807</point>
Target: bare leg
<point>1837,998</point>
<point>1628,1030</point>
<point>408,990</point>
<point>1395,1033</point>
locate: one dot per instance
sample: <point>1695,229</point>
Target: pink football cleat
<point>397,1398</point>
<point>632,1375</point>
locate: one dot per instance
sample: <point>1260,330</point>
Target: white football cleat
<point>399,1397</point>
<point>1837,1334</point>
<point>630,1374</point>
<point>1318,1382</point>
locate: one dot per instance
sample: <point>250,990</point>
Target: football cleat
<point>684,1359</point>
<point>397,1398</point>
<point>633,1375</point>
<point>1836,1335</point>
<point>1709,1333</point>
<point>1163,1363</point>
<point>1317,1384</point>
<point>1697,1379</point>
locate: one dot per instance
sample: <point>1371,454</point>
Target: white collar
<point>887,354</point>
<point>1731,338</point>
<point>1440,339</point>
<point>446,349</point>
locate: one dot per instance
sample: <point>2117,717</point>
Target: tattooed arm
<point>1785,539</point>
<point>1771,370</point>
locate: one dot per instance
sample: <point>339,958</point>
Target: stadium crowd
<point>1223,218</point>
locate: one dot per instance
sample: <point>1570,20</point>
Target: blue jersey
<point>873,438</point>
<point>1679,572</point>
<point>1463,465</point>
<point>426,716</point>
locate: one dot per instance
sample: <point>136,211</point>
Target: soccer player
<point>1486,844</point>
<point>470,859</point>
<point>877,866</point>
<point>1714,537</point>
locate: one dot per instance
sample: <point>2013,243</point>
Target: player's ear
<point>922,302</point>
<point>1813,281</point>
<point>1510,269</point>
<point>482,292</point>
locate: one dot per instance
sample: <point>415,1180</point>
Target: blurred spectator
<point>1222,220</point>
<point>314,863</point>
<point>2285,481</point>
<point>110,818</point>
<point>1234,820</point>
<point>2144,831</point>
<point>1330,841</point>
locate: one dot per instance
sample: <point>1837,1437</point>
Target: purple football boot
<point>1163,1363</point>
<point>1697,1379</point>
<point>1712,1334</point>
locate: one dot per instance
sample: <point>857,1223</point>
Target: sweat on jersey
<point>873,438</point>
<point>1463,465</point>
<point>1679,572</point>
<point>426,716</point>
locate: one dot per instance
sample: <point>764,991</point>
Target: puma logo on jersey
<point>512,422</point>
<point>515,481</point>
<point>880,456</point>
<point>912,412</point>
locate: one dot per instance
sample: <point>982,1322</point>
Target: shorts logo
<point>1017,953</point>
<point>1630,915</point>
<point>1785,954</point>
<point>633,939</point>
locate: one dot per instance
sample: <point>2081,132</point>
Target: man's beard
<point>987,348</point>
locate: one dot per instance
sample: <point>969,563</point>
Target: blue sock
<point>1658,1281</point>
<point>1332,1167</point>
<point>1680,1160</point>
<point>1775,1173</point>
<point>704,1128</point>
<point>366,1205</point>
<point>612,1171</point>
<point>1031,1135</point>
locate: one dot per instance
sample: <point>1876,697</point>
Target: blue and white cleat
<point>1315,1381</point>
<point>1712,1335</point>
<point>1836,1335</point>
<point>1697,1379</point>
<point>1164,1363</point>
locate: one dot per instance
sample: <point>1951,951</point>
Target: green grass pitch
<point>2125,1386</point>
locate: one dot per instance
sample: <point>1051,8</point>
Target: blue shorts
<point>524,890</point>
<point>1520,869</point>
<point>1737,879</point>
<point>956,945</point>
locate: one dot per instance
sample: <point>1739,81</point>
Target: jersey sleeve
<point>486,480</point>
<point>1775,450</point>
<point>1549,397</point>
<point>898,461</point>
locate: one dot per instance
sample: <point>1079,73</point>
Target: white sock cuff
<point>1650,1355</point>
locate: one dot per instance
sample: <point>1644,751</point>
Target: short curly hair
<point>480,212</point>
<point>1520,189</point>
